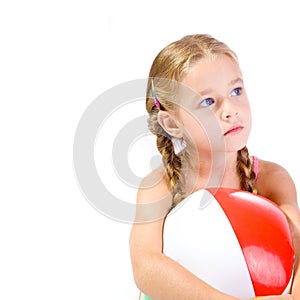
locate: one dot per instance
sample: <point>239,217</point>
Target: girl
<point>196,95</point>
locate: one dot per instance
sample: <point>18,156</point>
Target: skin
<point>222,99</point>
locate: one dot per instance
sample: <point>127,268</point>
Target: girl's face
<point>217,117</point>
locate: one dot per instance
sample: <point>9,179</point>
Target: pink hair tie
<point>157,104</point>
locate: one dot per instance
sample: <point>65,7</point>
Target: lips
<point>234,130</point>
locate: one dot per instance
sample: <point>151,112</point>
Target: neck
<point>217,169</point>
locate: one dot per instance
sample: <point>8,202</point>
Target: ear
<point>169,124</point>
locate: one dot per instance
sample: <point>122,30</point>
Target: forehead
<point>212,72</point>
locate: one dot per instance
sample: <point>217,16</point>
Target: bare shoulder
<point>152,205</point>
<point>275,183</point>
<point>154,198</point>
<point>153,187</point>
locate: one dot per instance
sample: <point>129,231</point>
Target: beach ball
<point>236,241</point>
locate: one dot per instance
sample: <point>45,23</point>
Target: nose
<point>229,111</point>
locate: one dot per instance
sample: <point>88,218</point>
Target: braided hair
<point>173,63</point>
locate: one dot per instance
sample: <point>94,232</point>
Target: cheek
<point>247,116</point>
<point>193,130</point>
<point>204,135</point>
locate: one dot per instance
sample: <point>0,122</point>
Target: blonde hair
<point>172,63</point>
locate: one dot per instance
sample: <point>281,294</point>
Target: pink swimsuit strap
<point>255,166</point>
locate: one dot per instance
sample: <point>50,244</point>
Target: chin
<point>235,147</point>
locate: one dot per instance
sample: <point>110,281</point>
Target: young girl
<point>196,95</point>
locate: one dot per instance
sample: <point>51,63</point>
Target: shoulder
<point>153,186</point>
<point>152,205</point>
<point>154,197</point>
<point>275,183</point>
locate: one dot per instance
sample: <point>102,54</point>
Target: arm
<point>158,276</point>
<point>292,212</point>
<point>279,187</point>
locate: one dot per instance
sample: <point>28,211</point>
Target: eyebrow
<point>232,82</point>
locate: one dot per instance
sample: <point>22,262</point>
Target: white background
<point>56,57</point>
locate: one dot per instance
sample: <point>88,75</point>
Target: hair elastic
<point>157,104</point>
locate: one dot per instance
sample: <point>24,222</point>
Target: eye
<point>237,91</point>
<point>207,102</point>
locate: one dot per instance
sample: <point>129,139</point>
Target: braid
<point>245,170</point>
<point>168,69</point>
<point>173,164</point>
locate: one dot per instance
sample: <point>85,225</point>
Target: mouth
<point>234,130</point>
